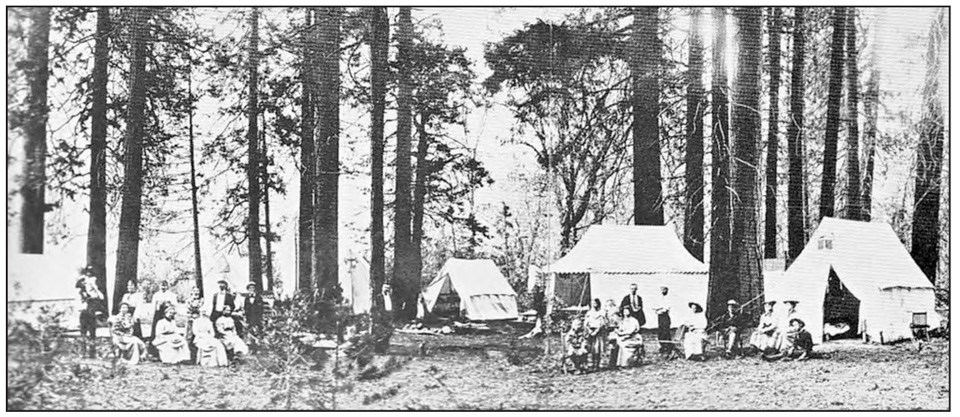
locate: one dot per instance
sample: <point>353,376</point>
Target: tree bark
<point>379,71</point>
<point>194,205</point>
<point>718,289</point>
<point>854,210</point>
<point>871,104</point>
<point>97,229</point>
<point>34,180</point>
<point>693,224</point>
<point>795,193</point>
<point>926,198</point>
<point>128,244</point>
<point>405,283</point>
<point>267,228</point>
<point>645,71</point>
<point>326,223</point>
<point>253,154</point>
<point>308,165</point>
<point>773,134</point>
<point>419,194</point>
<point>834,96</point>
<point>746,125</point>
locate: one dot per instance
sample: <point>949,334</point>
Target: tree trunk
<point>379,71</point>
<point>795,182</point>
<point>419,195</point>
<point>645,71</point>
<point>853,208</point>
<point>195,209</point>
<point>719,287</point>
<point>746,124</point>
<point>308,166</point>
<point>405,283</point>
<point>926,198</point>
<point>128,244</point>
<point>773,134</point>
<point>693,223</point>
<point>268,232</point>
<point>326,262</point>
<point>871,104</point>
<point>97,230</point>
<point>33,189</point>
<point>834,96</point>
<point>253,155</point>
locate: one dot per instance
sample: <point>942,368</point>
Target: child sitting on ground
<point>576,350</point>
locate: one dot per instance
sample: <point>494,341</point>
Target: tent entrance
<point>572,289</point>
<point>448,305</point>
<point>841,310</point>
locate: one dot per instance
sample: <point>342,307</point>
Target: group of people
<point>616,329</point>
<point>214,332</point>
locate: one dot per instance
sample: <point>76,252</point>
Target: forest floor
<point>495,371</point>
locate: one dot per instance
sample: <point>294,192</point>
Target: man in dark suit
<point>634,302</point>
<point>253,308</point>
<point>221,299</point>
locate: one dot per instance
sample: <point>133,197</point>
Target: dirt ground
<point>498,371</point>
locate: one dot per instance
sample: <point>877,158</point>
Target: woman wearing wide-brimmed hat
<point>764,338</point>
<point>695,336</point>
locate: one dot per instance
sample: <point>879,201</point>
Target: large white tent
<point>355,282</point>
<point>615,256</point>
<point>48,281</point>
<point>484,292</point>
<point>872,265</point>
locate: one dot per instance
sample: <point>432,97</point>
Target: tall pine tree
<point>693,224</point>
<point>796,225</point>
<point>645,73</point>
<point>773,134</point>
<point>34,180</point>
<point>834,96</point>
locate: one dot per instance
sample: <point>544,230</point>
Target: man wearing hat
<point>253,308</point>
<point>731,324</point>
<point>221,299</point>
<point>798,344</point>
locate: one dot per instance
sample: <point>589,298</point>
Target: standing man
<point>221,299</point>
<point>634,302</point>
<point>94,306</point>
<point>662,308</point>
<point>253,308</point>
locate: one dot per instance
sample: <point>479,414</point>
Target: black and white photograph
<point>235,207</point>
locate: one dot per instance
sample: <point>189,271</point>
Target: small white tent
<point>355,282</point>
<point>484,292</point>
<point>870,263</point>
<point>615,256</point>
<point>36,281</point>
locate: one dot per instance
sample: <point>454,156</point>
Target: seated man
<point>798,343</point>
<point>731,324</point>
<point>576,346</point>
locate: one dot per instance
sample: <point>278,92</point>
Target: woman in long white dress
<point>695,335</point>
<point>227,327</point>
<point>170,344</point>
<point>210,352</point>
<point>629,340</point>
<point>765,337</point>
<point>131,348</point>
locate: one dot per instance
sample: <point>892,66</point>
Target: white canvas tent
<point>43,280</point>
<point>484,292</point>
<point>870,262</point>
<point>615,256</point>
<point>355,282</point>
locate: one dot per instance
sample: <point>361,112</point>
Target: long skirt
<point>627,350</point>
<point>693,343</point>
<point>233,342</point>
<point>174,352</point>
<point>131,348</point>
<point>210,352</point>
<point>764,341</point>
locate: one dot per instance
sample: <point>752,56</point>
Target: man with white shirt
<point>221,299</point>
<point>661,306</point>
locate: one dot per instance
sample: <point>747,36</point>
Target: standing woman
<point>595,322</point>
<point>134,299</point>
<point>613,322</point>
<point>194,307</point>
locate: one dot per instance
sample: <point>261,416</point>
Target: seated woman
<point>170,344</point>
<point>629,341</point>
<point>210,352</point>
<point>764,339</point>
<point>130,348</point>
<point>695,336</point>
<point>227,329</point>
<point>797,343</point>
<point>576,346</point>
